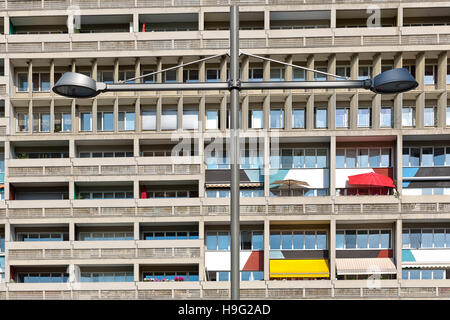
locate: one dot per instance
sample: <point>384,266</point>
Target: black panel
<point>305,254</point>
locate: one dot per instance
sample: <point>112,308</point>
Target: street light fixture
<point>76,85</point>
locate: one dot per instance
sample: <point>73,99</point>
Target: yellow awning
<point>314,268</point>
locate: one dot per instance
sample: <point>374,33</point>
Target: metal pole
<point>234,140</point>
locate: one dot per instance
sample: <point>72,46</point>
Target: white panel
<point>431,255</point>
<point>412,192</point>
<point>316,178</point>
<point>342,175</point>
<point>221,261</point>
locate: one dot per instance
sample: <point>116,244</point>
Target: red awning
<point>371,179</point>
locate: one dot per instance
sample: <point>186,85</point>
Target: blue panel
<point>278,174</point>
<point>407,256</point>
<point>409,172</point>
<point>275,255</point>
<point>255,175</point>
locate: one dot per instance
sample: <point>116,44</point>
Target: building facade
<point>126,195</point>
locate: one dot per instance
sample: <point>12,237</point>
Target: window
<point>41,122</point>
<point>363,158</point>
<point>298,118</point>
<point>106,154</point>
<point>41,82</point>
<point>105,121</point>
<point>320,115</point>
<point>212,119</point>
<point>105,195</point>
<point>429,117</point>
<point>426,156</point>
<point>423,274</point>
<point>363,239</point>
<point>255,74</point>
<point>364,72</point>
<point>430,74</point>
<point>190,119</point>
<point>170,76</point>
<point>122,276</point>
<point>298,240</point>
<point>276,118</point>
<point>386,118</point>
<point>42,277</point>
<point>85,121</point>
<point>170,276</point>
<point>221,240</point>
<point>149,120</point>
<point>320,76</point>
<point>124,75</point>
<point>276,74</point>
<point>169,119</point>
<point>105,76</point>
<point>363,117</point>
<point>63,122</point>
<point>212,75</point>
<point>298,75</point>
<point>342,116</point>
<point>169,235</point>
<point>256,119</point>
<point>190,75</point>
<point>300,158</point>
<point>408,116</point>
<point>425,238</point>
<point>148,79</point>
<point>22,82</point>
<point>22,122</point>
<point>343,72</point>
<point>42,236</point>
<point>126,121</point>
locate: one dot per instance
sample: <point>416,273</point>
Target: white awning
<point>428,266</point>
<point>356,266</point>
<point>227,185</point>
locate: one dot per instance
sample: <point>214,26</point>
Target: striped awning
<point>242,185</point>
<point>427,266</point>
<point>310,268</point>
<point>356,266</point>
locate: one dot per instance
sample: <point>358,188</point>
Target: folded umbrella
<point>371,179</point>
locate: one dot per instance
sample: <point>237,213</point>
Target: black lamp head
<point>77,85</point>
<point>393,81</point>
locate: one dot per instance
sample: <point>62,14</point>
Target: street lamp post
<point>76,85</point>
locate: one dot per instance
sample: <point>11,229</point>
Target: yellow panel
<point>314,268</point>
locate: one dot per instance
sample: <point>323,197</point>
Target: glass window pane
<point>439,156</point>
<point>414,157</point>
<point>258,240</point>
<point>415,238</point>
<point>340,158</point>
<point>362,239</point>
<point>169,119</point>
<point>321,240</point>
<point>350,239</point>
<point>256,119</point>
<point>286,240</point>
<point>149,120</point>
<point>350,158</point>
<point>322,158</point>
<point>223,241</point>
<point>374,158</point>
<point>211,241</point>
<point>429,117</point>
<point>321,117</point>
<point>310,240</point>
<point>364,117</point>
<point>342,117</point>
<point>427,238</point>
<point>374,239</point>
<point>340,239</point>
<point>299,239</point>
<point>386,117</point>
<point>310,158</point>
<point>438,274</point>
<point>363,158</point>
<point>275,241</point>
<point>298,158</point>
<point>427,156</point>
<point>277,119</point>
<point>439,238</point>
<point>385,158</point>
<point>246,240</point>
<point>212,119</point>
<point>298,118</point>
<point>385,238</point>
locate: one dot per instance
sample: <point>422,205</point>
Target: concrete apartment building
<point>99,201</point>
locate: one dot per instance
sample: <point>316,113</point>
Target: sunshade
<point>291,183</point>
<point>371,179</point>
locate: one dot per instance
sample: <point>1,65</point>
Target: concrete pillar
<point>332,249</point>
<point>180,70</point>
<point>30,77</point>
<point>245,68</point>
<point>400,16</point>
<point>266,249</point>
<point>71,190</point>
<point>267,145</point>
<point>332,111</point>
<point>136,193</point>
<point>353,121</point>
<point>52,115</point>
<point>116,70</point>
<point>72,233</point>
<point>201,20</point>
<point>136,272</point>
<point>202,71</point>
<point>136,147</point>
<point>420,100</point>
<point>244,112</point>
<point>30,116</point>
<point>116,114</point>
<point>137,115</point>
<point>158,113</point>
<point>72,151</point>
<point>136,231</point>
<point>202,113</point>
<point>223,112</point>
<point>74,66</point>
<point>288,111</point>
<point>6,25</point>
<point>137,70</point>
<point>94,115</point>
<point>442,70</point>
<point>376,100</point>
<point>398,99</point>
<point>52,75</point>
<point>266,19</point>
<point>442,110</point>
<point>289,71</point>
<point>75,120</point>
<point>310,112</point>
<point>180,113</point>
<point>223,69</point>
<point>332,161</point>
<point>94,69</point>
<point>398,247</point>
<point>310,65</point>
<point>136,22</point>
<point>354,67</point>
<point>201,237</point>
<point>158,68</point>
<point>398,162</point>
<point>333,18</point>
<point>266,112</point>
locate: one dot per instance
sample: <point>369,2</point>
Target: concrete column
<point>398,99</point>
<point>266,249</point>
<point>202,71</point>
<point>136,147</point>
<point>201,21</point>
<point>52,75</point>
<point>400,16</point>
<point>137,115</point>
<point>288,111</point>
<point>136,272</point>
<point>376,100</point>
<point>442,70</point>
<point>136,190</point>
<point>202,113</point>
<point>332,249</point>
<point>442,110</point>
<point>289,71</point>
<point>310,112</point>
<point>74,66</point>
<point>201,237</point>
<point>310,65</point>
<point>116,70</point>
<point>135,22</point>
<point>94,115</point>
<point>52,115</point>
<point>353,123</point>
<point>136,231</point>
<point>94,69</point>
<point>137,69</point>
<point>72,234</point>
<point>30,116</point>
<point>223,69</point>
<point>30,77</point>
<point>180,70</point>
<point>244,112</point>
<point>332,111</point>
<point>75,120</point>
<point>267,145</point>
<point>332,161</point>
<point>398,162</point>
<point>398,247</point>
<point>223,112</point>
<point>116,114</point>
<point>245,68</point>
<point>266,112</point>
<point>354,66</point>
<point>158,68</point>
<point>158,113</point>
<point>72,151</point>
<point>71,190</point>
<point>420,100</point>
<point>6,25</point>
<point>333,18</point>
<point>266,19</point>
<point>180,113</point>
<point>266,71</point>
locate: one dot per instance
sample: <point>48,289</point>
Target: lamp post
<point>76,85</point>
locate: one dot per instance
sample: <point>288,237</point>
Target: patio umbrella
<point>291,183</point>
<point>371,179</point>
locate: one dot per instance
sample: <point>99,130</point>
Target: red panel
<point>385,254</point>
<point>388,172</point>
<point>255,262</point>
